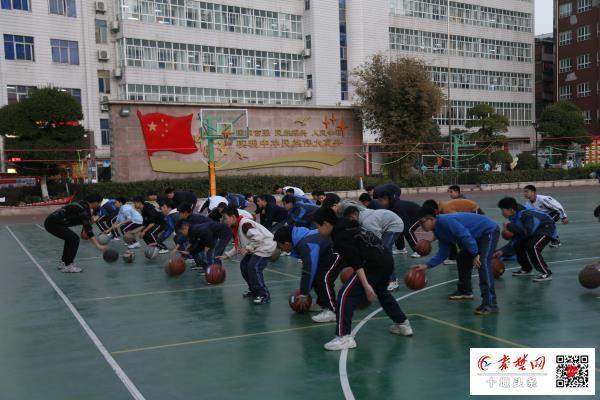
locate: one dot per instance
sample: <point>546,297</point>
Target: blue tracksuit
<point>301,215</point>
<point>237,200</point>
<point>320,266</point>
<point>212,235</point>
<point>475,235</point>
<point>303,200</point>
<point>108,209</point>
<point>168,227</point>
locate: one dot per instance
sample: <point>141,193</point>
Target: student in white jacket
<point>547,204</point>
<point>255,243</point>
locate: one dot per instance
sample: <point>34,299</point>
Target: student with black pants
<point>74,214</point>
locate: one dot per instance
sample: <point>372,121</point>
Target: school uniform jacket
<point>527,223</point>
<point>150,215</point>
<point>74,214</point>
<point>315,252</point>
<point>547,204</point>
<point>253,237</point>
<point>301,214</point>
<point>380,221</point>
<point>206,235</point>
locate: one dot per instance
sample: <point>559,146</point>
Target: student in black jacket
<point>180,197</point>
<point>207,241</point>
<point>153,220</point>
<point>271,215</point>
<point>372,263</point>
<point>74,214</point>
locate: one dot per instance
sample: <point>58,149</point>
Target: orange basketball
<point>423,247</point>
<point>508,235</point>
<point>415,279</point>
<point>215,274</point>
<point>346,274</point>
<point>175,267</point>
<point>299,304</point>
<point>498,267</point>
<point>84,235</point>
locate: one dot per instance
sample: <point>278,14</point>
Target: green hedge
<point>264,184</point>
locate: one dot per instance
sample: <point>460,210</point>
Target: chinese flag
<point>164,132</point>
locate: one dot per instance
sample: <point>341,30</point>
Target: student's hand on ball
<point>498,254</point>
<point>420,267</point>
<point>477,262</point>
<point>371,295</point>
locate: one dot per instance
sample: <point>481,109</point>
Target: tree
<point>561,124</point>
<point>490,123</point>
<point>526,161</point>
<point>397,99</point>
<point>43,132</point>
<point>501,157</point>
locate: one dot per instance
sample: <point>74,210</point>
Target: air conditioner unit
<point>306,53</point>
<point>102,55</point>
<point>114,26</point>
<point>104,103</point>
<point>118,73</point>
<point>100,7</point>
<point>308,94</point>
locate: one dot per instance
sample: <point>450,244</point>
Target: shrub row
<point>264,184</point>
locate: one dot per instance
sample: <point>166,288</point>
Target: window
<point>104,132</point>
<point>104,81</point>
<point>583,33</point>
<point>587,117</point>
<point>518,114</point>
<point>16,93</point>
<point>101,31</point>
<point>584,5</point>
<point>565,38</point>
<point>308,42</point>
<point>583,61</point>
<point>565,10</point>
<point>564,65</point>
<point>583,89</point>
<point>63,7</point>
<point>309,82</point>
<point>65,51</point>
<point>565,92</point>
<point>18,48</point>
<point>15,5</point>
<point>307,4</point>
<point>76,93</point>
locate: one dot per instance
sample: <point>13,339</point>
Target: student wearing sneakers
<point>372,263</point>
<point>385,224</point>
<point>255,243</point>
<point>152,221</point>
<point>106,214</point>
<point>476,237</point>
<point>389,198</point>
<point>547,204</point>
<point>320,266</point>
<point>74,214</point>
<point>533,230</point>
<point>207,242</point>
<point>299,214</point>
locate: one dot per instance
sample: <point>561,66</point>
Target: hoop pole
<point>212,176</point>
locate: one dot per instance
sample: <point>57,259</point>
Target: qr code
<point>572,371</point>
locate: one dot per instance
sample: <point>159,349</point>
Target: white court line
<point>41,227</point>
<point>343,371</point>
<point>133,390</point>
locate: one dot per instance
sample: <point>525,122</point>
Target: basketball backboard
<point>216,123</point>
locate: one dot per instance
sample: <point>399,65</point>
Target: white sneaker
<point>190,261</point>
<point>61,265</point>
<point>415,255</point>
<point>449,262</point>
<point>136,245</point>
<point>116,238</point>
<point>403,329</point>
<point>284,254</point>
<point>340,343</point>
<point>393,285</point>
<point>71,269</point>
<point>397,252</point>
<point>163,251</point>
<point>324,316</point>
<point>314,307</point>
<point>299,261</point>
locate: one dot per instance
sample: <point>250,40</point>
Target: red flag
<point>164,132</point>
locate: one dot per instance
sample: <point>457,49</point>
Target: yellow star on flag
<point>152,126</point>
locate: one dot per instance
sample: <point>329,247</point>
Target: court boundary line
<point>342,365</point>
<point>129,385</point>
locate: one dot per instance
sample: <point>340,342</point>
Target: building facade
<point>577,52</point>
<point>544,73</point>
<point>298,52</point>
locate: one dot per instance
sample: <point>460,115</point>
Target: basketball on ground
<point>589,277</point>
<point>498,267</point>
<point>129,238</point>
<point>423,247</point>
<point>346,274</point>
<point>175,266</point>
<point>299,304</point>
<point>215,274</point>
<point>508,235</point>
<point>128,256</point>
<point>150,252</point>
<point>110,256</point>
<point>415,279</point>
<point>103,238</point>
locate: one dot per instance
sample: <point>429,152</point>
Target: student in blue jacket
<point>320,266</point>
<point>299,214</point>
<point>476,237</point>
<point>533,230</point>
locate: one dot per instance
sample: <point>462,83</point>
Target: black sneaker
<point>248,295</point>
<point>460,296</point>
<point>522,273</point>
<point>260,300</point>
<point>555,244</point>
<point>485,310</point>
<point>542,278</point>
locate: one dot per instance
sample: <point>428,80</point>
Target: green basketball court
<point>178,338</point>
